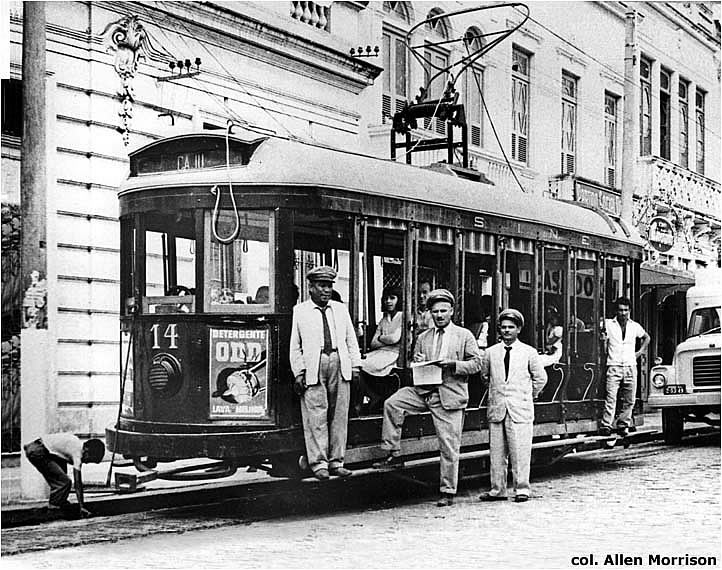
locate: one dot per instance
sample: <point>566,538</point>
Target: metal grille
<point>706,370</point>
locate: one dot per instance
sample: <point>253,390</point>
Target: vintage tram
<point>218,231</point>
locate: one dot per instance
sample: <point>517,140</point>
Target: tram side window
<point>238,274</point>
<point>322,240</point>
<point>170,276</point>
<point>518,289</point>
<point>551,303</point>
<point>384,271</point>
<point>478,298</point>
<point>581,322</point>
<point>615,284</point>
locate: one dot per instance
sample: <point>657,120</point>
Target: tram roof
<point>283,162</point>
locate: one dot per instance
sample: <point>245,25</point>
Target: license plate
<point>674,389</point>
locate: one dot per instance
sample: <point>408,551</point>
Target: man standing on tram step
<point>515,377</point>
<point>51,454</point>
<point>454,350</point>
<point>621,338</point>
<point>325,358</point>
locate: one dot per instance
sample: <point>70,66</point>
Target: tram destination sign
<point>238,372</point>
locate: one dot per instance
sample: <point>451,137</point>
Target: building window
<point>473,89</point>
<point>398,9</point>
<point>610,139</point>
<point>395,80</point>
<point>435,62</point>
<point>12,107</point>
<point>699,113</point>
<point>645,108</point>
<point>665,94</point>
<point>520,105</point>
<point>569,123</point>
<point>683,123</point>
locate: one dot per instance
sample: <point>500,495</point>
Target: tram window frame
<point>528,334</point>
<point>612,292</point>
<point>584,267</point>
<point>543,302</point>
<point>170,227</point>
<point>240,305</point>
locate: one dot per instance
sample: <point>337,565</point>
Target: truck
<point>689,388</point>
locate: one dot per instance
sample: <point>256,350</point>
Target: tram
<point>218,231</point>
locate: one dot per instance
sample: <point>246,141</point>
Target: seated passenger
<point>385,345</point>
<point>261,297</point>
<point>554,332</point>
<point>423,315</point>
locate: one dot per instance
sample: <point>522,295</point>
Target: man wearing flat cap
<point>325,358</point>
<point>515,377</point>
<point>454,350</point>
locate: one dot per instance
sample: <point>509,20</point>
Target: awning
<point>661,275</point>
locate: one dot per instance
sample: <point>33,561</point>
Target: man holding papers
<point>444,357</point>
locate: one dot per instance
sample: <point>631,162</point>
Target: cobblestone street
<point>647,500</point>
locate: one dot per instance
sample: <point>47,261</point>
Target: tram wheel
<point>672,425</point>
<point>144,463</point>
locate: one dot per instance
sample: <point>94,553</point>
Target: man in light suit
<point>515,376</point>
<point>454,350</point>
<point>325,358</point>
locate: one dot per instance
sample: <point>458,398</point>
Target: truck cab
<point>689,388</point>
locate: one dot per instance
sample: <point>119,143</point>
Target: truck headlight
<point>659,380</point>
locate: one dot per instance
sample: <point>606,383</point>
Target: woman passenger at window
<point>552,338</point>
<point>385,345</point>
<point>385,342</point>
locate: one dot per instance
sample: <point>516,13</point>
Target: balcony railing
<point>668,183</point>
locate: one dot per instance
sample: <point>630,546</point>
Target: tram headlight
<point>164,376</point>
<point>659,380</point>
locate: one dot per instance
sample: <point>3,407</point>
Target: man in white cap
<point>325,358</point>
<point>454,350</point>
<point>515,377</point>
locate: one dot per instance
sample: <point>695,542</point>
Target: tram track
<point>267,499</point>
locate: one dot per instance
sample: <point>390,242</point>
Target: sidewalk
<point>157,494</point>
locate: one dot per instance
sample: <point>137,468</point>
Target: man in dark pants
<point>51,454</point>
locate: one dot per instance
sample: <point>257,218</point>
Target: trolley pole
<point>37,403</point>
<point>630,140</point>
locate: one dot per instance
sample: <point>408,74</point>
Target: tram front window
<point>170,259</point>
<point>238,273</point>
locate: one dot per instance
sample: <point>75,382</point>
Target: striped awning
<point>436,234</point>
<point>520,245</point>
<point>585,254</point>
<point>476,242</point>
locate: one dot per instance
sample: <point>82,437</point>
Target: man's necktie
<point>506,361</point>
<point>439,342</point>
<point>327,346</point>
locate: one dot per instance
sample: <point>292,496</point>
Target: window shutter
<point>522,149</point>
<point>386,107</point>
<point>610,177</point>
<point>475,135</point>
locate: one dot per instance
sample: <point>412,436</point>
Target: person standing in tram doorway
<point>515,377</point>
<point>620,337</point>
<point>454,350</point>
<point>325,358</point>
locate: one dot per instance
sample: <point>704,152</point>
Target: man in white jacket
<point>325,358</point>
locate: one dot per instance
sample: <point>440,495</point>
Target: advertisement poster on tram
<point>238,372</point>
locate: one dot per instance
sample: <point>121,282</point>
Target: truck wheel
<point>672,424</point>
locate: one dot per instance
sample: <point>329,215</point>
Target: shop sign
<point>661,234</point>
<point>598,198</point>
<point>238,372</point>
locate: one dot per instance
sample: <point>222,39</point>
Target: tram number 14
<point>170,333</point>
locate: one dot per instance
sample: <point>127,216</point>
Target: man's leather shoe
<point>339,471</point>
<point>321,474</point>
<point>490,497</point>
<point>622,431</point>
<point>445,500</point>
<point>605,431</point>
<point>521,498</point>
<point>391,462</point>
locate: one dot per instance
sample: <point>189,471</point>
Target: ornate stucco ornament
<point>130,42</point>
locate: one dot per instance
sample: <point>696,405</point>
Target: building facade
<point>544,110</point>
